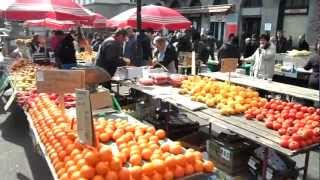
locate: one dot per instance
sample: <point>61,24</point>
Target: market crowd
<point>161,49</point>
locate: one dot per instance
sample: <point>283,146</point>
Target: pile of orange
<point>136,151</point>
<point>229,98</point>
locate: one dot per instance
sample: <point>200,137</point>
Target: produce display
<point>87,56</point>
<point>174,80</point>
<point>230,99</point>
<point>295,52</point>
<point>125,150</point>
<point>298,125</point>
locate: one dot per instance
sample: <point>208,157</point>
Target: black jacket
<point>109,56</point>
<point>228,50</point>
<point>65,52</point>
<point>303,45</point>
<point>314,64</point>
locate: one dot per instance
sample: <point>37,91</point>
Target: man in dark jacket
<point>109,56</point>
<point>66,53</point>
<point>302,43</point>
<point>281,45</point>
<point>229,50</point>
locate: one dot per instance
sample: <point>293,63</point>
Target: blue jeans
<point>68,66</point>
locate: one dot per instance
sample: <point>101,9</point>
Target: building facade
<point>242,17</point>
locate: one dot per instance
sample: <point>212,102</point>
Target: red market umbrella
<point>50,23</point>
<point>155,17</point>
<point>41,9</point>
<point>96,20</point>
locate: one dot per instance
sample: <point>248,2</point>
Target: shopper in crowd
<point>290,43</point>
<point>55,40</point>
<point>248,49</point>
<point>21,51</point>
<point>146,45</point>
<point>211,43</point>
<point>203,50</point>
<point>230,49</point>
<point>263,59</point>
<point>130,48</point>
<point>96,42</point>
<point>314,64</point>
<point>65,53</point>
<point>184,42</point>
<point>281,45</point>
<point>302,43</point>
<point>36,46</point>
<point>109,56</point>
<point>255,42</point>
<point>165,55</point>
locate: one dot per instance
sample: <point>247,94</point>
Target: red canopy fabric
<point>96,20</point>
<point>155,17</point>
<point>50,23</point>
<point>41,9</point>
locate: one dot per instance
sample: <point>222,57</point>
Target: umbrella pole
<point>139,37</point>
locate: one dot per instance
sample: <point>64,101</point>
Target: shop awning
<point>214,9</point>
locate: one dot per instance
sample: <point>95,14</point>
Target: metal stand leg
<point>265,163</point>
<point>306,165</point>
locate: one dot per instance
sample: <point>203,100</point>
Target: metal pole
<point>139,37</point>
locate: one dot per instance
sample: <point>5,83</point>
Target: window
<point>218,2</point>
<point>296,4</point>
<point>252,3</point>
<point>195,3</point>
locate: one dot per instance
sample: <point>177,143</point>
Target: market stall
<point>77,144</point>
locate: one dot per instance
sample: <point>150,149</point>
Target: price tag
<point>225,153</point>
<point>84,117</point>
<point>229,64</point>
<point>59,81</point>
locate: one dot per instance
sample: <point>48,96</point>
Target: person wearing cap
<point>165,55</point>
<point>109,56</point>
<point>263,59</point>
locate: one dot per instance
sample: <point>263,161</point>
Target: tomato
<point>248,116</point>
<point>318,111</point>
<point>304,109</point>
<point>276,125</point>
<point>284,143</point>
<point>287,108</point>
<point>316,131</point>
<point>293,145</point>
<point>279,107</point>
<point>316,139</point>
<point>311,110</point>
<point>256,112</point>
<point>297,106</point>
<point>296,137</point>
<point>267,105</point>
<point>292,115</point>
<point>308,133</point>
<point>287,124</point>
<point>269,124</point>
<point>273,106</point>
<point>282,131</point>
<point>299,115</point>
<point>309,141</point>
<point>302,143</point>
<point>315,117</point>
<point>260,117</point>
<point>280,120</point>
<point>291,130</point>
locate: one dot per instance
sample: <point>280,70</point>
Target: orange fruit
<point>62,154</point>
<point>198,166</point>
<point>146,154</point>
<point>112,175</point>
<point>170,162</point>
<point>72,169</point>
<point>198,155</point>
<point>69,163</point>
<point>135,160</point>
<point>159,165</point>
<point>91,158</point>
<point>81,162</point>
<point>102,168</point>
<point>190,157</point>
<point>104,137</point>
<point>175,149</point>
<point>156,156</point>
<point>75,175</point>
<point>124,174</point>
<point>87,171</point>
<point>180,159</point>
<point>151,130</point>
<point>165,147</point>
<point>61,171</point>
<point>178,172</point>
<point>148,168</point>
<point>168,175</point>
<point>115,164</point>
<point>189,169</point>
<point>208,166</point>
<point>74,152</point>
<point>161,134</point>
<point>156,176</point>
<point>144,177</point>
<point>136,172</point>
<point>64,176</point>
<point>105,153</point>
<point>98,177</point>
<point>154,139</point>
